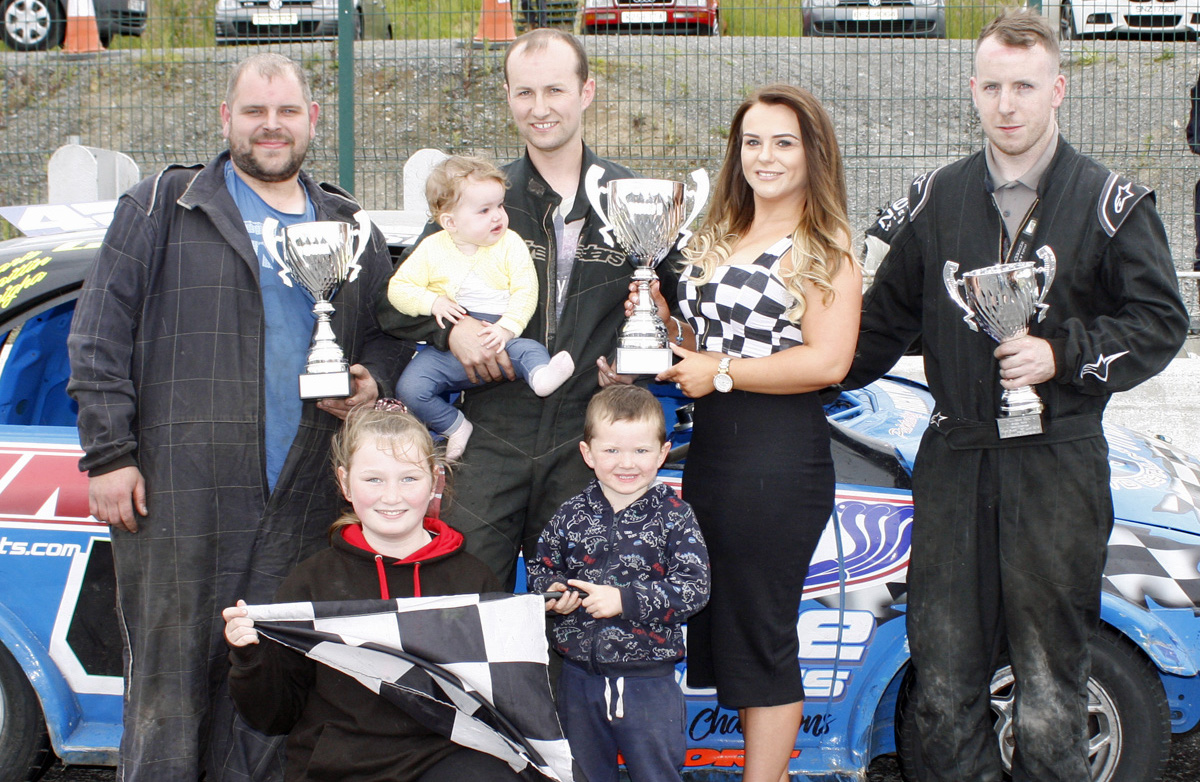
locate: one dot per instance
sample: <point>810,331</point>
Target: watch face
<point>723,383</point>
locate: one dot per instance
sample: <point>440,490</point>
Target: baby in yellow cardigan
<point>474,266</point>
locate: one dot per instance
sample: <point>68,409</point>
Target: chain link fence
<point>664,98</point>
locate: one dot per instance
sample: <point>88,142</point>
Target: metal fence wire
<point>417,79</point>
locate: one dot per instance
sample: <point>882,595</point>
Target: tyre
<point>1129,725</point>
<point>24,746</point>
<point>30,25</point>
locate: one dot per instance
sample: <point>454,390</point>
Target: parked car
<point>60,678</point>
<point>1130,18</point>
<point>702,17</point>
<point>30,25</point>
<point>901,18</point>
<point>548,13</point>
<point>257,21</point>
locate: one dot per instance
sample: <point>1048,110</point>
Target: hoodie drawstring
<point>383,590</point>
<point>619,685</point>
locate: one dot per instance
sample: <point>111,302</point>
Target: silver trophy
<point>648,217</point>
<point>1003,299</point>
<point>320,256</point>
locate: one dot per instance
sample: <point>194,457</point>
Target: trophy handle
<point>593,188</point>
<point>1050,265</point>
<point>952,285</point>
<point>699,199</point>
<point>362,238</point>
<point>272,238</point>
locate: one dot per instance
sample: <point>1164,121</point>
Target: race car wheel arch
<point>24,746</point>
<point>1128,718</point>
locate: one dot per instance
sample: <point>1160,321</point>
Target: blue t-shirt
<point>287,312</point>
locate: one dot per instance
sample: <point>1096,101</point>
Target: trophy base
<point>325,385</point>
<point>643,361</point>
<point>1019,425</point>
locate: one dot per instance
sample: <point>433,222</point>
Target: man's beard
<point>243,157</point>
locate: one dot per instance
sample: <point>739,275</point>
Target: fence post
<point>347,27</point>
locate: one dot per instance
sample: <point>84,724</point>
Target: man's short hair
<point>448,179</point>
<point>540,40</point>
<point>1023,28</point>
<point>269,66</point>
<point>624,403</point>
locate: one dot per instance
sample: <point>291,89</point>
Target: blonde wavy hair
<point>822,227</point>
<point>397,429</point>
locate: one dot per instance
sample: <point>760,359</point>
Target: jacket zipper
<point>1004,257</point>
<point>551,328</point>
<point>612,545</point>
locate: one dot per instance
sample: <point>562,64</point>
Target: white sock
<point>545,380</point>
<point>456,442</point>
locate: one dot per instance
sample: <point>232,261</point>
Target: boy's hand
<point>239,628</point>
<point>494,337</point>
<point>565,604</point>
<point>602,602</point>
<point>446,308</point>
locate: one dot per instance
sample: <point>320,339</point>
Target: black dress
<point>760,478</point>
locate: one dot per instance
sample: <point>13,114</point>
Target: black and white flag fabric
<point>471,667</point>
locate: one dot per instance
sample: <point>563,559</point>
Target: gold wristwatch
<point>723,381</point>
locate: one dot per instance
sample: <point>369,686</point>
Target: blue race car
<point>60,650</point>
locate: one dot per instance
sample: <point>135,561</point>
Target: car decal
<point>1144,565</point>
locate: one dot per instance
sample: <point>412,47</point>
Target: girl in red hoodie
<point>384,547</point>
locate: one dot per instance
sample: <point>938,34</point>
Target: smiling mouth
<point>543,125</point>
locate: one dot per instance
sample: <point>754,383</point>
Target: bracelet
<point>678,330</point>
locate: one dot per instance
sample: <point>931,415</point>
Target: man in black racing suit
<point>522,461</point>
<point>1010,533</point>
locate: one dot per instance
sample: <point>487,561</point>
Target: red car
<point>646,16</point>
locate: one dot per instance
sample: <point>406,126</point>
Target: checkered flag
<point>1183,493</point>
<point>470,667</point>
<point>1143,565</point>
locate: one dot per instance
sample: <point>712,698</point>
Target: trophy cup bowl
<point>320,255</point>
<point>647,217</point>
<point>1002,300</point>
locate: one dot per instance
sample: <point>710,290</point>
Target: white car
<point>1134,18</point>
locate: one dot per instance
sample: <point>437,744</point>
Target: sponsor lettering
<point>43,486</point>
<point>715,721</point>
<point>24,548</point>
<point>719,758</point>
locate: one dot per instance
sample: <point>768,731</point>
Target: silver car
<point>1130,18</point>
<point>900,18</point>
<point>255,21</point>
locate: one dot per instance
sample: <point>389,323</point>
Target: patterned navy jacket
<point>652,551</point>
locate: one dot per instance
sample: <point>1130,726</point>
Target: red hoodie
<point>445,540</point>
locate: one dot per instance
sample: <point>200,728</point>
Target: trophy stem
<point>327,373</point>
<point>1020,401</point>
<point>642,348</point>
<point>325,355</point>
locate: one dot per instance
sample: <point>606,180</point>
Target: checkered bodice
<point>740,311</point>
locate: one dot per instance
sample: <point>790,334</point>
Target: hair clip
<point>390,404</point>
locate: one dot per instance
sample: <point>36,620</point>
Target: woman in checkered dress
<point>770,302</point>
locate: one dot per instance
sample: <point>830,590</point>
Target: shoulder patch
<point>1117,200</point>
<point>890,219</point>
<point>918,194</point>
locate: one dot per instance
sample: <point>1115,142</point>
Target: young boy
<point>631,563</point>
<point>475,266</point>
